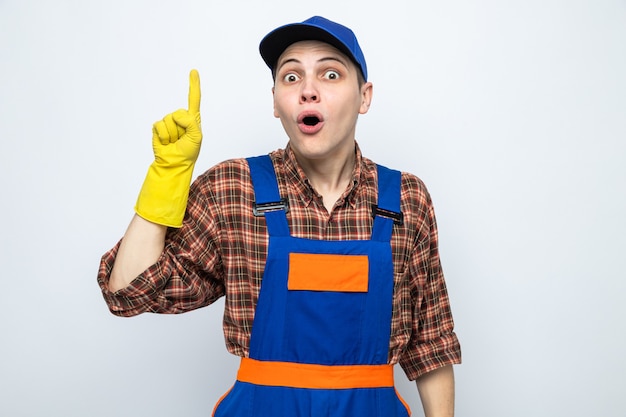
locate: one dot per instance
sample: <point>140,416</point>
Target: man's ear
<point>367,92</point>
<point>274,100</point>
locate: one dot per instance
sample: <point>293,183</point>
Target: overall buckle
<point>259,209</point>
<point>398,218</point>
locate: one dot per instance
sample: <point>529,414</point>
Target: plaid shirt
<point>222,246</point>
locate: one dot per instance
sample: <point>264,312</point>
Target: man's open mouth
<point>311,120</point>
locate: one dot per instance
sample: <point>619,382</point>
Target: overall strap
<point>387,211</point>
<point>267,197</point>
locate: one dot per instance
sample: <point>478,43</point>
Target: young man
<point>328,262</point>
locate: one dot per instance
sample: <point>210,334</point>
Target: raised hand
<point>178,136</point>
<point>176,141</point>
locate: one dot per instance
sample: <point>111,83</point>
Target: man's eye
<point>331,75</point>
<point>290,78</point>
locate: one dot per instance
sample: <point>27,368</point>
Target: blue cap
<point>316,28</point>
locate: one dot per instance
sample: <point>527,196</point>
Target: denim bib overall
<point>320,336</point>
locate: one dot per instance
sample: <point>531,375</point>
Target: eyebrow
<point>328,58</point>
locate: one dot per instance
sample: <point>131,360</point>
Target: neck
<point>329,177</point>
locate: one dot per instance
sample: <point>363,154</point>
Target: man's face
<point>317,97</point>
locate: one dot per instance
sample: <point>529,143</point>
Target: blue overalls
<point>320,336</point>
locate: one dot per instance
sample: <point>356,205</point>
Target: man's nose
<point>310,92</point>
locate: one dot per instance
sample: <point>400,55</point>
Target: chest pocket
<point>328,272</point>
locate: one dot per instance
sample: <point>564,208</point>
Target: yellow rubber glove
<point>176,144</point>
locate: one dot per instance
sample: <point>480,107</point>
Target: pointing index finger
<point>194,92</point>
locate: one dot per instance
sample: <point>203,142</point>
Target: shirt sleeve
<point>187,275</point>
<point>433,343</point>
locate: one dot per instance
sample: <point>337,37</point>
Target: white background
<point>512,112</point>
